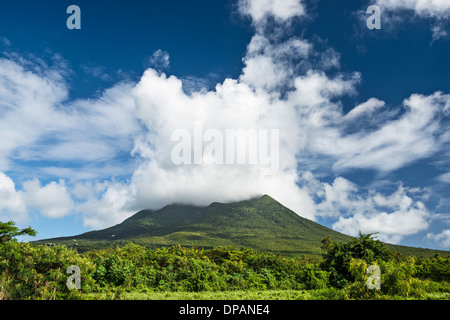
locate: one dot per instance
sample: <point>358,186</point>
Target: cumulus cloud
<point>103,204</point>
<point>12,202</point>
<point>159,98</point>
<point>442,238</point>
<point>393,216</point>
<point>52,200</point>
<point>391,227</point>
<point>270,66</point>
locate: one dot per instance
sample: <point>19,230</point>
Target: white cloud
<point>268,66</point>
<point>439,32</point>
<point>315,91</point>
<point>52,200</point>
<point>392,216</point>
<point>414,135</point>
<point>391,227</point>
<point>160,60</point>
<point>38,123</point>
<point>425,8</point>
<point>159,98</point>
<point>262,72</point>
<point>26,104</point>
<point>162,106</point>
<point>365,108</point>
<point>394,12</point>
<point>104,204</point>
<point>445,177</point>
<point>12,203</point>
<point>260,10</point>
<point>80,139</point>
<point>97,71</point>
<point>442,238</point>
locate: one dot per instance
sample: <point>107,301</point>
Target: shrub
<point>39,272</point>
<point>397,281</point>
<point>113,270</point>
<point>337,256</point>
<point>313,278</point>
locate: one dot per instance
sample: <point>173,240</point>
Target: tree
<point>337,256</point>
<point>8,231</point>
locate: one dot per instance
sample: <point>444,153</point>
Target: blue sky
<point>86,116</point>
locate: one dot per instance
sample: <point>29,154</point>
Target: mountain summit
<point>261,223</point>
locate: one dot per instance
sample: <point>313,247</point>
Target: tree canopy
<point>8,231</point>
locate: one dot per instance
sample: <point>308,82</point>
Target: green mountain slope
<point>262,224</point>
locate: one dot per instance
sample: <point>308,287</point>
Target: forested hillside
<point>29,271</point>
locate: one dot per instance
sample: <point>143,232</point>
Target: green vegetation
<point>30,271</point>
<point>261,224</point>
<point>188,252</point>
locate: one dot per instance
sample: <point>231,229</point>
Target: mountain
<point>262,224</point>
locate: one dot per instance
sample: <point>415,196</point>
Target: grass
<point>320,294</point>
<point>220,295</point>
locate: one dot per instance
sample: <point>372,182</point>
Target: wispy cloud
<point>425,8</point>
<point>415,135</point>
<point>160,60</point>
<point>394,12</point>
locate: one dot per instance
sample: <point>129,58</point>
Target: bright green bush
<point>312,277</point>
<point>39,272</point>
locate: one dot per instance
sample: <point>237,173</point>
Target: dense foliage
<point>38,272</point>
<point>30,271</point>
<point>337,256</point>
<point>401,277</point>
